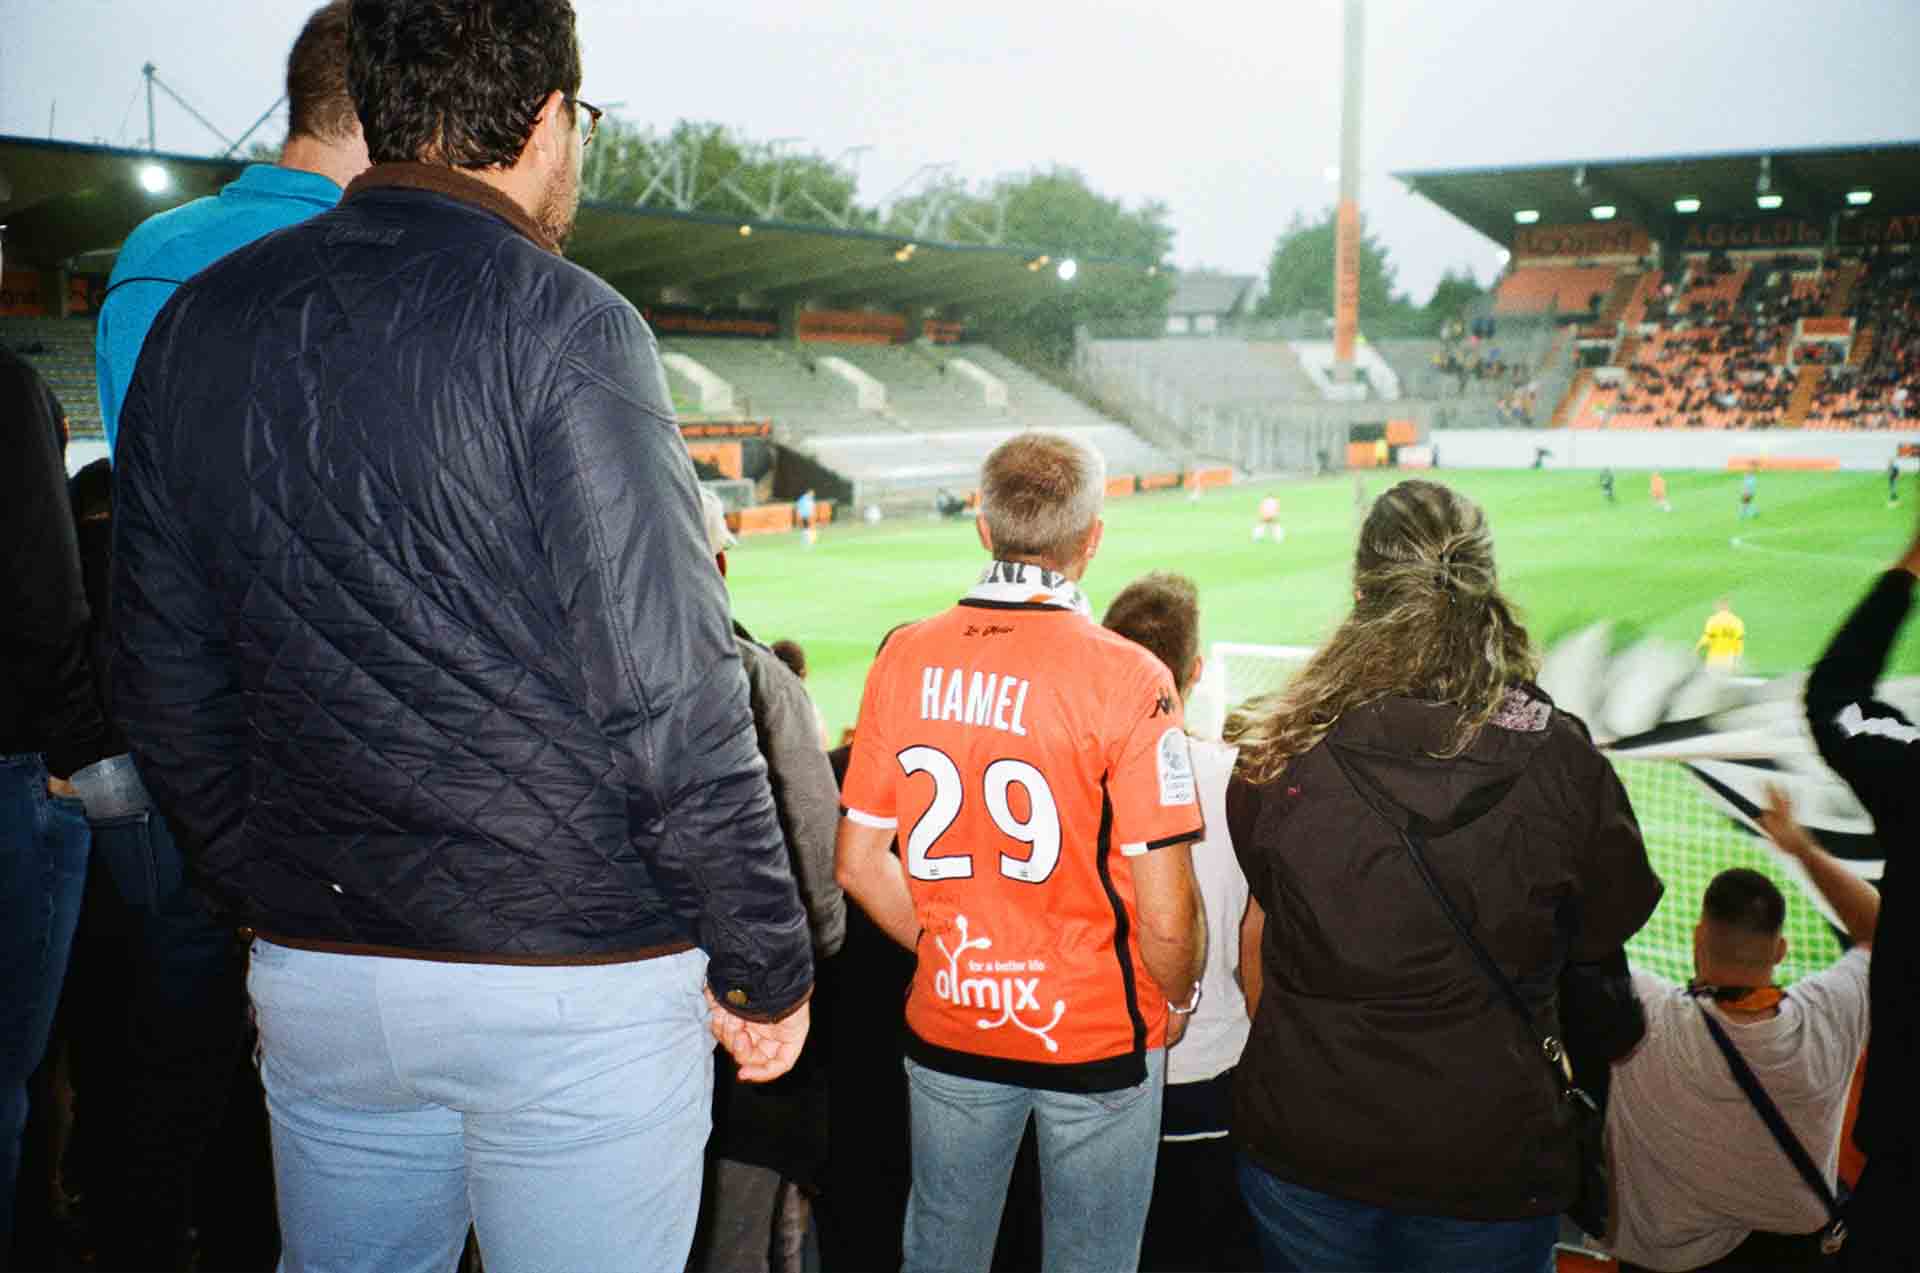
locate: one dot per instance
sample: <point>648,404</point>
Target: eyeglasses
<point>592,125</point>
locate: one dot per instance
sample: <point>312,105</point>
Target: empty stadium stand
<point>62,349</point>
<point>1536,290</point>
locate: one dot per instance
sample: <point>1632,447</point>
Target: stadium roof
<point>1812,182</point>
<point>69,204</point>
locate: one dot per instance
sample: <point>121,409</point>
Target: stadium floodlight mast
<point>1346,252</point>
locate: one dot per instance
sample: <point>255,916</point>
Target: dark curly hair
<point>457,82</point>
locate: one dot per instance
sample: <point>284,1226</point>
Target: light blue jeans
<point>562,1110</point>
<point>1097,1154</point>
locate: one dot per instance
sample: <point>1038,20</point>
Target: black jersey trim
<point>1185,837</point>
<point>1103,859</point>
<point>1111,1074</point>
<point>982,603</point>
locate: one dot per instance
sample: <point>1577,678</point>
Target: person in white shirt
<point>1197,1219</point>
<point>1699,1180</point>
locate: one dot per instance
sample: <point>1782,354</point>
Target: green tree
<point>1300,276</point>
<point>1053,212</point>
<point>707,167</point>
<point>1451,297</point>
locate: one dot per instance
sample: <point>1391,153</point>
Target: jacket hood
<point>1390,750</point>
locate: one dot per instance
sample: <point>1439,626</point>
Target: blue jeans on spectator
<point>1301,1229</point>
<point>1096,1169</point>
<point>43,873</point>
<point>562,1110</point>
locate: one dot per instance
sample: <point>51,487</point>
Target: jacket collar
<point>454,184</point>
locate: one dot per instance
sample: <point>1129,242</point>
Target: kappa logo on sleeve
<point>1174,763</point>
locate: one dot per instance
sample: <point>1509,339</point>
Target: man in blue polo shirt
<point>324,151</point>
<point>185,1009</point>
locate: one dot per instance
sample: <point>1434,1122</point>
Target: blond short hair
<point>1040,494</point>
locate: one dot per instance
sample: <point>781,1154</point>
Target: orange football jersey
<point>1021,752</point>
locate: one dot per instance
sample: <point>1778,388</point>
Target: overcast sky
<point>1226,110</point>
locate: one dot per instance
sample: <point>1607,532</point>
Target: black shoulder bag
<point>1834,1236</point>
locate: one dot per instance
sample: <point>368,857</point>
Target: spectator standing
<point>1699,1181</point>
<point>1036,766</point>
<point>794,655</point>
<point>51,726</point>
<point>1440,1139</point>
<point>422,652</point>
<point>1876,749</point>
<point>324,151</point>
<point>766,1133</point>
<point>1198,1219</point>
<point>186,1011</point>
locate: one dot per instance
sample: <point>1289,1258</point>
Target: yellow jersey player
<point>1724,638</point>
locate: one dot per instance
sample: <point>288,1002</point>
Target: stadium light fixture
<point>1859,198</point>
<point>1603,211</point>
<point>1068,269</point>
<point>1526,216</point>
<point>746,232</point>
<point>1686,205</point>
<point>905,251</point>
<point>1768,201</point>
<point>154,179</point>
<point>1039,263</point>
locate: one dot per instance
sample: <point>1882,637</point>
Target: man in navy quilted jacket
<point>420,649</point>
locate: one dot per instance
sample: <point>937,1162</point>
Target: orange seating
<point>1540,289</point>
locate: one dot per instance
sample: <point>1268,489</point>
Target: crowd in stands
<point>1718,350</point>
<point>1883,391</point>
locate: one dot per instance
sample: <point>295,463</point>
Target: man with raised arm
<point>1872,745</point>
<point>1036,769</point>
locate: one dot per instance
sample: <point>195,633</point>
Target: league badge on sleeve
<point>1175,766</point>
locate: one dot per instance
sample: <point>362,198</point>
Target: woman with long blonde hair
<point>1391,1110</point>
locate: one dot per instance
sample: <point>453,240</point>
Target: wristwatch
<point>1186,1009</point>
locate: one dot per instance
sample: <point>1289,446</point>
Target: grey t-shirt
<point>1695,1170</point>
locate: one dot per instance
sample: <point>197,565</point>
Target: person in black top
<point>50,725</point>
<point>1876,749</point>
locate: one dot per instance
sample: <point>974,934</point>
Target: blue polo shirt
<point>168,249</point>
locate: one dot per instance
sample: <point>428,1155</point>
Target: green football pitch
<point>1565,556</point>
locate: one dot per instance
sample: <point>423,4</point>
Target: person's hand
<point>1778,822</point>
<point>1177,1026</point>
<point>61,787</point>
<point>763,1050</point>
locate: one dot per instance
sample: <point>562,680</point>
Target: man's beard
<point>559,205</point>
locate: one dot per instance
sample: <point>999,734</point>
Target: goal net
<point>1690,838</point>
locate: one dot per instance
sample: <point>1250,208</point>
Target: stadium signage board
<point>1614,238</point>
<point>22,295</point>
<point>695,320</point>
<point>1888,227</point>
<point>851,326</point>
<point>726,429</point>
<point>1755,232</point>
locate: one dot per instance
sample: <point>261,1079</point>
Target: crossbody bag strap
<point>1550,1045</point>
<point>1836,1230</point>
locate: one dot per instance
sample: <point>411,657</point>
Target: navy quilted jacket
<point>419,641</point>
